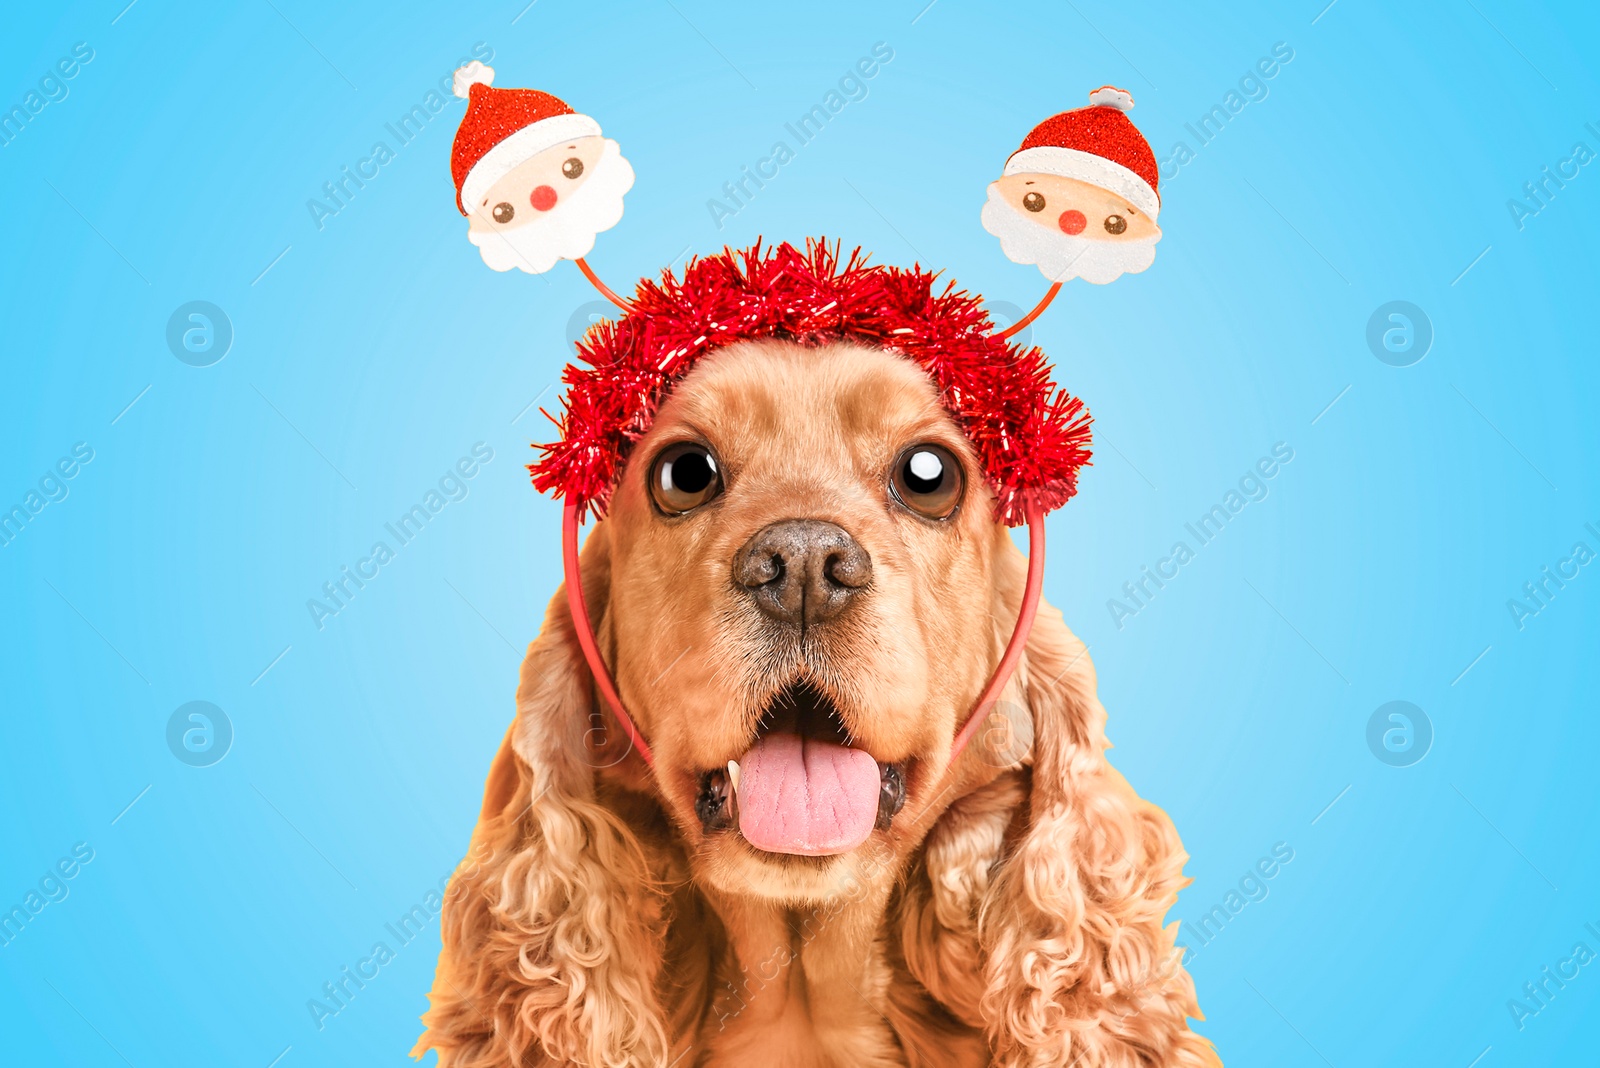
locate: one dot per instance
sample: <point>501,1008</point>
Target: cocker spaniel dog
<point>800,586</point>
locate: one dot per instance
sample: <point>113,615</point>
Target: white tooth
<point>733,775</point>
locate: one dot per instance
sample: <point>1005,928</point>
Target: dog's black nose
<point>802,571</point>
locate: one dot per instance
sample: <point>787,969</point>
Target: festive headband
<point>537,182</point>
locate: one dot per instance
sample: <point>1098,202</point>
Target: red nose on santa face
<point>543,198</point>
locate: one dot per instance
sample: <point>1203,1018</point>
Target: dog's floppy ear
<point>1077,968</point>
<point>551,928</point>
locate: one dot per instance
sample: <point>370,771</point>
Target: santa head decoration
<point>534,178</point>
<point>1079,199</point>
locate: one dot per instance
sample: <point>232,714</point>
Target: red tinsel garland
<point>1031,438</point>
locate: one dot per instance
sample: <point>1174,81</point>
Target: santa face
<point>1070,229</point>
<point>551,206</point>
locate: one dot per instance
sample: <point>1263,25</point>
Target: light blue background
<point>377,350</point>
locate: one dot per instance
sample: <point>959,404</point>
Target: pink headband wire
<point>608,687</point>
<point>572,516</point>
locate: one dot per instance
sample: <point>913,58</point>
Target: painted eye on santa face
<point>504,213</point>
<point>572,168</point>
<point>1115,224</point>
<point>683,477</point>
<point>928,480</point>
<point>1033,202</point>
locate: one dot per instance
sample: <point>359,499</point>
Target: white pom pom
<point>473,73</point>
<point>1110,96</point>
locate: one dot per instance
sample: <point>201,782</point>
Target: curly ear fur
<point>552,925</point>
<point>938,916</point>
<point>1077,968</point>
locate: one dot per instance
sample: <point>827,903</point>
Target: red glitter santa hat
<point>1098,144</point>
<point>504,128</point>
<point>1030,437</point>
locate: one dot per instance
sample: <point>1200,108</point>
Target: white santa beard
<point>1059,256</point>
<point>566,231</point>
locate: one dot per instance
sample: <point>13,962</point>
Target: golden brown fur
<point>1012,913</point>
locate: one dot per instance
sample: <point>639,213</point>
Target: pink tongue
<point>805,796</point>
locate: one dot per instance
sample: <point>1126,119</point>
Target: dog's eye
<point>1115,224</point>
<point>1033,202</point>
<point>573,167</point>
<point>928,480</point>
<point>684,477</point>
<point>503,213</point>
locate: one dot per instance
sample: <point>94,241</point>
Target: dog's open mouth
<point>802,788</point>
